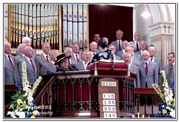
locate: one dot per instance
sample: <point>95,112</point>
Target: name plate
<point>108,95</point>
<point>109,102</point>
<point>108,83</point>
<point>109,108</point>
<point>110,115</point>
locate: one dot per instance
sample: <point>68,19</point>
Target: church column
<point>161,35</point>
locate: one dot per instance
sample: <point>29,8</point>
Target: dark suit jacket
<point>10,76</point>
<point>102,55</point>
<point>70,68</point>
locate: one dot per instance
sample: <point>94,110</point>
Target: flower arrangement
<point>167,106</point>
<point>23,104</point>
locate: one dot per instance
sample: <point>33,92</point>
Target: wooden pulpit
<point>124,89</point>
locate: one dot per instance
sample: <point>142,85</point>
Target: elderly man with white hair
<point>154,58</point>
<point>27,42</point>
<point>68,52</point>
<point>94,47</point>
<point>148,71</point>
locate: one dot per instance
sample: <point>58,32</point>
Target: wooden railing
<point>146,101</point>
<point>45,95</point>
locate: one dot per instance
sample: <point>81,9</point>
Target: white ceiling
<point>130,5</point>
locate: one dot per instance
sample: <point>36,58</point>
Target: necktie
<point>69,61</point>
<point>171,68</point>
<point>151,59</point>
<point>119,46</point>
<point>47,59</point>
<point>137,47</point>
<point>32,65</point>
<point>11,62</point>
<point>77,60</point>
<point>146,68</point>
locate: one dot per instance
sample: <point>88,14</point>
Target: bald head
<point>124,44</point>
<point>131,44</point>
<point>21,48</point>
<point>143,45</point>
<point>145,55</point>
<point>129,50</point>
<point>152,51</point>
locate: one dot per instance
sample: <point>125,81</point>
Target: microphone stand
<point>112,64</point>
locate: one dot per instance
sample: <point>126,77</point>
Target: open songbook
<point>108,60</point>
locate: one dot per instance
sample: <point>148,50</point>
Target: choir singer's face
<point>7,48</point>
<point>119,35</point>
<point>171,58</point>
<point>127,58</point>
<point>75,48</point>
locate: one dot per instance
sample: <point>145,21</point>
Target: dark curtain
<point>107,19</point>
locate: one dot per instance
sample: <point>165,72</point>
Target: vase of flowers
<point>167,105</point>
<point>23,104</point>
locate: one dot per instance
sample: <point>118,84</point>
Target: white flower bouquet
<point>167,106</point>
<point>23,104</point>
